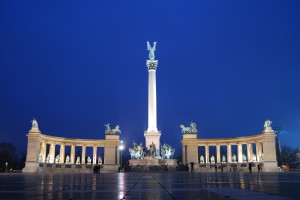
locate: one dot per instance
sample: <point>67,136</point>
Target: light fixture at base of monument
<point>152,135</point>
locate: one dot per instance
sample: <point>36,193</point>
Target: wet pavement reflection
<point>151,186</point>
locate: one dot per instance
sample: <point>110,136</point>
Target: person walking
<point>192,167</point>
<point>250,167</point>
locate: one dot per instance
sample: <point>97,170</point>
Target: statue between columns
<point>78,160</point>
<point>151,50</point>
<point>67,159</point>
<point>99,160</point>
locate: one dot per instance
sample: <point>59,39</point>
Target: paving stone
<point>217,186</point>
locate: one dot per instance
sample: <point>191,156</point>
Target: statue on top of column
<point>267,124</point>
<point>151,50</point>
<point>34,123</point>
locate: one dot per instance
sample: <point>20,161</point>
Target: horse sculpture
<point>167,151</point>
<point>112,131</point>
<point>137,152</point>
<point>191,129</point>
<point>116,130</point>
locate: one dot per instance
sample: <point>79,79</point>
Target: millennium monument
<point>152,135</point>
<point>47,153</point>
<point>152,155</point>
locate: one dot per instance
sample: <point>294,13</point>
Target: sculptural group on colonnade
<point>191,129</point>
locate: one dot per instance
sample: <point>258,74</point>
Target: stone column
<point>62,153</point>
<point>152,135</point>
<point>258,154</point>
<point>83,152</point>
<point>52,153</point>
<point>240,153</point>
<point>206,153</point>
<point>72,159</point>
<point>43,151</point>
<point>183,153</point>
<point>249,152</point>
<point>218,154</point>
<point>94,155</point>
<point>229,159</point>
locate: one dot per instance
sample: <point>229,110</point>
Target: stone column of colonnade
<point>52,152</point>
<point>206,154</point>
<point>72,157</point>
<point>249,152</point>
<point>94,155</point>
<point>83,152</point>
<point>218,154</point>
<point>43,151</point>
<point>62,153</point>
<point>229,159</point>
<point>240,153</point>
<point>258,151</point>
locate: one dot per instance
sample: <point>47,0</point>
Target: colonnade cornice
<point>71,141</point>
<point>224,141</point>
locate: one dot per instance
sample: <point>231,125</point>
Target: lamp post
<point>6,166</point>
<point>121,147</point>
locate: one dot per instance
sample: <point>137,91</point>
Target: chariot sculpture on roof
<point>108,130</point>
<point>191,129</point>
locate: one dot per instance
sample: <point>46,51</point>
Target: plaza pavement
<point>215,186</point>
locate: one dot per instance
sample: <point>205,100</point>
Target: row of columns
<point>239,152</point>
<point>62,153</point>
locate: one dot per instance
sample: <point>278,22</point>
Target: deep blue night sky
<point>75,65</point>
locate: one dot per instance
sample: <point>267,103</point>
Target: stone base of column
<point>30,166</point>
<point>270,166</point>
<point>153,137</point>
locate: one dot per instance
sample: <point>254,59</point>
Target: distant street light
<point>121,147</point>
<point>6,166</point>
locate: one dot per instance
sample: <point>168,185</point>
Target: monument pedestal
<point>153,137</point>
<point>153,162</point>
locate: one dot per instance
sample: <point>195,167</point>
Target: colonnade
<point>251,155</point>
<point>259,148</point>
<point>37,150</point>
<point>62,157</point>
